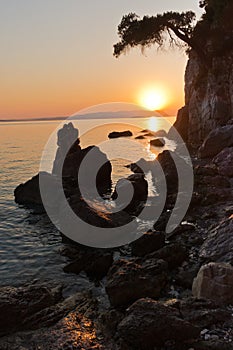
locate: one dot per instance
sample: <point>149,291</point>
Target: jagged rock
<point>103,180</point>
<point>149,323</point>
<point>216,141</point>
<point>20,307</point>
<point>68,147</point>
<point>224,162</point>
<point>148,243</point>
<point>129,280</point>
<point>214,281</point>
<point>116,134</point>
<point>219,244</point>
<point>157,143</point>
<point>69,157</point>
<point>137,184</point>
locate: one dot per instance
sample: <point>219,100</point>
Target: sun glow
<point>153,99</point>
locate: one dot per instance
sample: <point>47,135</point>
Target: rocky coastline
<point>163,291</point>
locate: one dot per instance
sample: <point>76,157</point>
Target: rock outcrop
<point>208,97</point>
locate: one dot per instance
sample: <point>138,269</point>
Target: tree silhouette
<point>134,31</point>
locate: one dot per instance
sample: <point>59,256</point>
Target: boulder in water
<point>116,134</point>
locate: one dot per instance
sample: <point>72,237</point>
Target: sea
<point>30,245</point>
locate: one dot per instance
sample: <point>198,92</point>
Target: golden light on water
<point>153,99</point>
<point>153,124</point>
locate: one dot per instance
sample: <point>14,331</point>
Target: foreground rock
<point>129,280</point>
<point>149,323</point>
<point>26,307</point>
<point>75,328</point>
<point>116,134</point>
<point>216,141</point>
<point>219,244</point>
<point>215,282</point>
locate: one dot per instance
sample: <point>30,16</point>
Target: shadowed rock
<point>216,141</point>
<point>149,323</point>
<point>148,243</point>
<point>129,280</point>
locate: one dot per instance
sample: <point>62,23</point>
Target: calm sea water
<point>29,244</point>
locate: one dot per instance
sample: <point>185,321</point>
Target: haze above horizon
<point>57,57</point>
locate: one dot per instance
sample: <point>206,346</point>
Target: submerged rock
<point>149,323</point>
<point>116,134</point>
<point>214,281</point>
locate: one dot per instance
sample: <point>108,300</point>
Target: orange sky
<point>56,57</point>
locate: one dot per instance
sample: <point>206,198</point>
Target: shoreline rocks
<point>214,281</point>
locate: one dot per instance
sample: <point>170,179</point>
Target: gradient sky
<point>56,56</point>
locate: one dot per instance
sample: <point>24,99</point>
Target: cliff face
<point>208,97</point>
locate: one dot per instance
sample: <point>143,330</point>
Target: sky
<point>57,57</point>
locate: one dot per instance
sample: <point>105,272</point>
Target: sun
<point>152,99</point>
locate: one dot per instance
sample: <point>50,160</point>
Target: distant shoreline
<point>104,115</point>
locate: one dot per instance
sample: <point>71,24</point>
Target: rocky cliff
<point>208,96</point>
<point>209,74</point>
